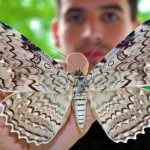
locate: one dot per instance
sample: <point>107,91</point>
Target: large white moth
<point>42,92</point>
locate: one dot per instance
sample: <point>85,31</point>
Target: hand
<point>66,137</point>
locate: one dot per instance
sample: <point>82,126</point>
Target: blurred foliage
<point>33,19</point>
<point>144,16</point>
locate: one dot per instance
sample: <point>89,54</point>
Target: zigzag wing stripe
<point>25,64</point>
<point>37,117</point>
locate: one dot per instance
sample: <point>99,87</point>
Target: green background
<point>20,14</point>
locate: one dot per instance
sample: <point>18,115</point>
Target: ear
<point>54,31</point>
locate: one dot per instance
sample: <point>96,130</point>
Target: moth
<point>43,93</point>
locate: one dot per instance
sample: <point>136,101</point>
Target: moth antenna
<point>101,45</point>
<point>74,67</point>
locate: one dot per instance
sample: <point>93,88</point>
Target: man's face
<point>92,27</point>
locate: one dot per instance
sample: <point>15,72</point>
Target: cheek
<point>115,36</point>
<point>68,39</point>
<point>64,42</point>
<point>72,35</point>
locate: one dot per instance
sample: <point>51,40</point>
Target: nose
<point>93,32</point>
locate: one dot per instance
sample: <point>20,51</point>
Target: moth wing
<point>24,67</point>
<point>128,63</point>
<point>36,117</point>
<point>130,54</point>
<point>39,105</point>
<point>119,99</point>
<point>123,113</point>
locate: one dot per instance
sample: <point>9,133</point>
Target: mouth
<point>94,56</point>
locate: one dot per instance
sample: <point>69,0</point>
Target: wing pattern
<point>119,101</point>
<point>39,105</point>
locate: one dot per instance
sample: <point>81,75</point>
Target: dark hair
<point>132,4</point>
<point>133,7</point>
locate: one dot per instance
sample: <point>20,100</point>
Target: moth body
<point>80,89</point>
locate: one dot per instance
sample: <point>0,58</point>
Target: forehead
<point>91,5</point>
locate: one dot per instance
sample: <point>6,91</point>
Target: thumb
<point>77,61</point>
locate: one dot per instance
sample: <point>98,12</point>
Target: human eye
<point>110,17</point>
<point>75,18</point>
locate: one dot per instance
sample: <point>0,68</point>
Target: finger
<point>61,62</point>
<point>77,61</point>
<point>3,95</point>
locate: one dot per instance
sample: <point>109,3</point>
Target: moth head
<point>78,73</point>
